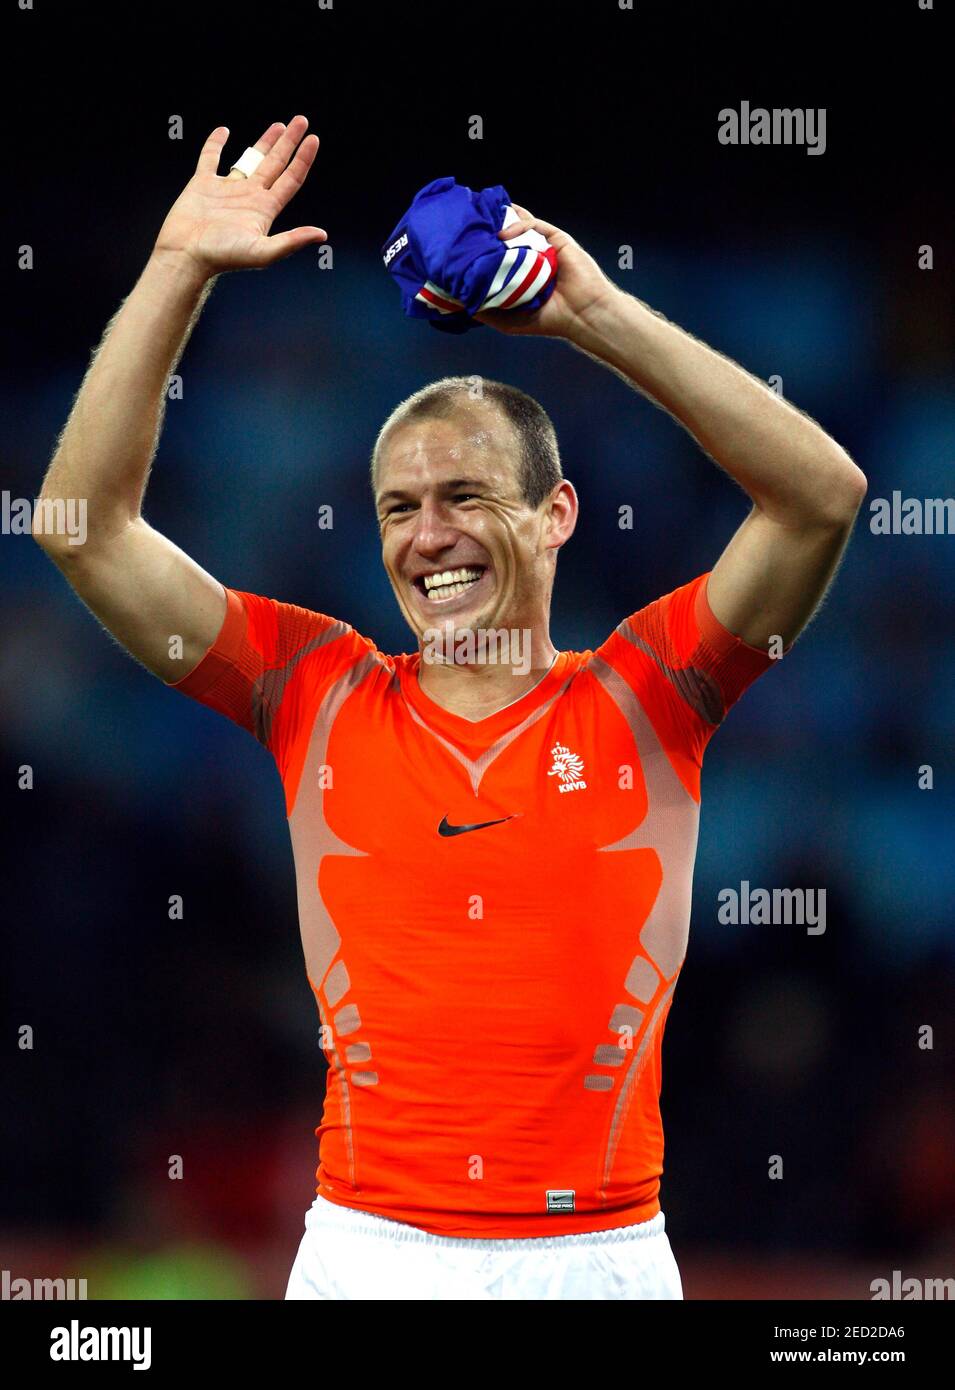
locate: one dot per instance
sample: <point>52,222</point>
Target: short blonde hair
<point>539,469</point>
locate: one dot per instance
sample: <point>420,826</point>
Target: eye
<point>398,507</point>
<point>464,497</point>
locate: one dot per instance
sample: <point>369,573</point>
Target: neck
<point>475,682</point>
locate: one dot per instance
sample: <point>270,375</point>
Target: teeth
<point>441,587</point>
<point>440,581</point>
<point>446,591</point>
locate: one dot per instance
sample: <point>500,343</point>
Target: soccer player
<point>493,855</point>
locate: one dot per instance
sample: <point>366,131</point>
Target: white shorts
<point>347,1254</point>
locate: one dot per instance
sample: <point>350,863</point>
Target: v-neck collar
<point>492,726</point>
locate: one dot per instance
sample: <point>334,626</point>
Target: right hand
<point>222,223</point>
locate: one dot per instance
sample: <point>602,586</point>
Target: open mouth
<point>442,587</point>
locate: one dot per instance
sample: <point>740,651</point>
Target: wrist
<point>592,324</point>
<point>180,267</point>
<point>610,321</point>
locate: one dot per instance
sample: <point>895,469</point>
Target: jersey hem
<point>717,637</point>
<point>497,1227</point>
<point>221,655</point>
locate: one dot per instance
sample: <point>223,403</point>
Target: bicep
<point>771,578</point>
<point>160,605</point>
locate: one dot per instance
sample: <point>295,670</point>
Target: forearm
<point>789,466</point>
<point>105,450</point>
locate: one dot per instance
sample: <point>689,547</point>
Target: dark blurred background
<point>200,1037</point>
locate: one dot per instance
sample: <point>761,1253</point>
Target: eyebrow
<point>449,485</point>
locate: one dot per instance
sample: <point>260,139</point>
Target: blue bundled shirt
<point>450,264</point>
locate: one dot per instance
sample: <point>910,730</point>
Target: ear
<point>562,512</point>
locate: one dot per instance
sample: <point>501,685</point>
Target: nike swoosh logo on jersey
<point>445,829</point>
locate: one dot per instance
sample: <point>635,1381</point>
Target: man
<point>494,856</point>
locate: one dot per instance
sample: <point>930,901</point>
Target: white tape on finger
<point>249,162</point>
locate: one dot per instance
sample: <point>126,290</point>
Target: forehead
<point>425,451</point>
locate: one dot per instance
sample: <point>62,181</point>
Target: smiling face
<point>459,543</point>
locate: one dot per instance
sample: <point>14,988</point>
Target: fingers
<point>280,151</point>
<point>528,220</point>
<point>508,320</point>
<point>277,145</point>
<point>264,145</point>
<point>524,220</point>
<point>276,248</point>
<point>287,185</point>
<point>212,151</point>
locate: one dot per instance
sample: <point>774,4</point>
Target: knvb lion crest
<point>568,767</point>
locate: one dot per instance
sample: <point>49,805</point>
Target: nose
<point>433,532</point>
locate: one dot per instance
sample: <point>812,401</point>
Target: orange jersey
<point>493,913</point>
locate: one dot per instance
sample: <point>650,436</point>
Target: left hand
<point>220,228</point>
<point>581,286</point>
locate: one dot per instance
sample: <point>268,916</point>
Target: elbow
<point>845,493</point>
<point>58,550</point>
<point>857,485</point>
<point>59,527</point>
<point>45,539</point>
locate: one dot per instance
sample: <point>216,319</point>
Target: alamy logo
<point>912,516</point>
<point>481,646</point>
<point>913,1288</point>
<point>15,1289</point>
<point>395,247</point>
<point>568,767</point>
<point>779,126</point>
<point>46,516</point>
<point>804,907</point>
<point>76,1343</point>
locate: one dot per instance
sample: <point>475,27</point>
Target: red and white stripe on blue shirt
<point>526,266</point>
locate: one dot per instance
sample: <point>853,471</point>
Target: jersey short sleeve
<point>271,656</point>
<point>685,665</point>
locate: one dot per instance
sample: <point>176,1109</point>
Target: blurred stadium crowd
<point>157,1036</point>
<point>199,1037</point>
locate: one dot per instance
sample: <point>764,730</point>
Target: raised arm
<point>805,489</point>
<point>143,588</point>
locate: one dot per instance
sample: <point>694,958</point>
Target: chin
<point>473,622</point>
